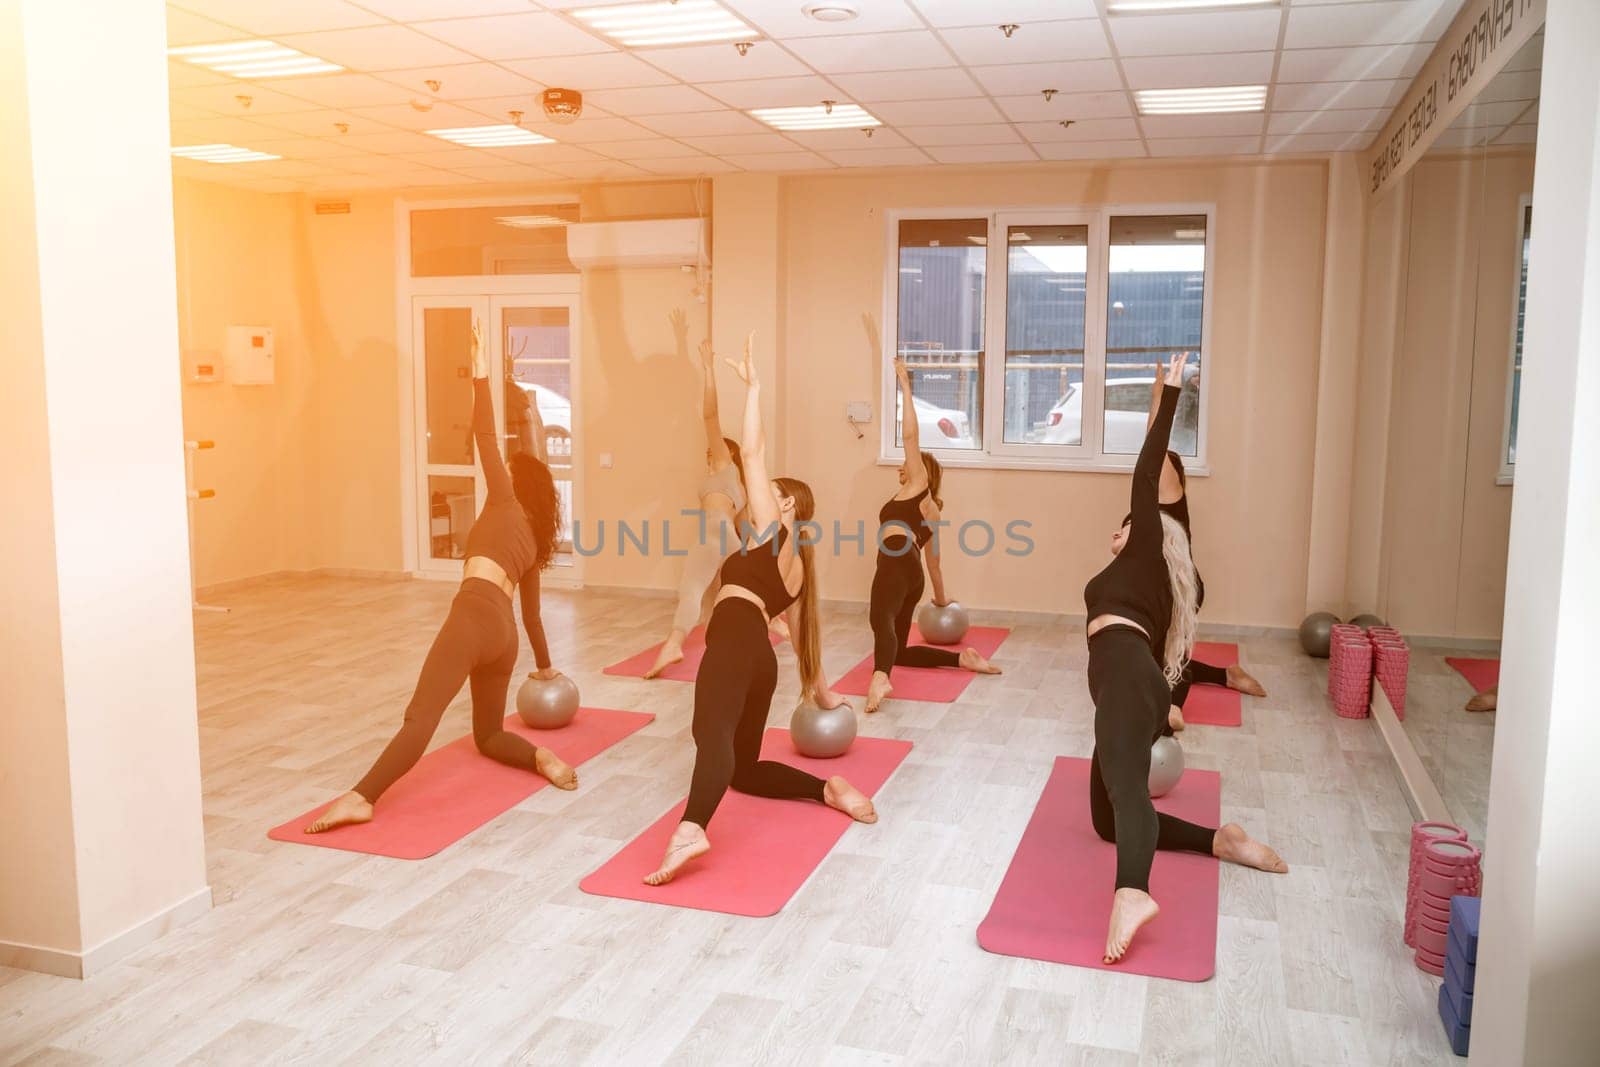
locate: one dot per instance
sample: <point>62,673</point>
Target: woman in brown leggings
<point>512,540</point>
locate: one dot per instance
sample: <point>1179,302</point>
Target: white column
<point>1538,976</point>
<point>101,844</point>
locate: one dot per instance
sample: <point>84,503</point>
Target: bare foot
<point>1244,682</point>
<point>671,652</point>
<point>1130,909</point>
<point>550,765</point>
<point>1175,718</point>
<point>779,626</point>
<point>972,660</point>
<point>1231,843</point>
<point>350,808</point>
<point>878,690</point>
<point>845,797</point>
<point>1484,701</point>
<point>688,841</point>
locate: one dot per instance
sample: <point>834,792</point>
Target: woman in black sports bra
<point>897,583</point>
<point>733,689</point>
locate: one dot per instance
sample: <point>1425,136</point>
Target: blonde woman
<point>733,690</point>
<point>1141,612</point>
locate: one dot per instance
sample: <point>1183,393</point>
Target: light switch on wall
<point>859,411</point>
<point>605,461</point>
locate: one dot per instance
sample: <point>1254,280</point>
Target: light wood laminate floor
<point>488,952</point>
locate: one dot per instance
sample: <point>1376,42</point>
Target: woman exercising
<point>897,583</point>
<point>722,502</point>
<point>1175,502</point>
<point>1141,612</point>
<point>733,689</point>
<point>512,540</point>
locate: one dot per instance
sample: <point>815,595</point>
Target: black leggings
<point>732,695</point>
<point>1194,673</point>
<point>478,642</point>
<point>1130,707</point>
<point>896,589</point>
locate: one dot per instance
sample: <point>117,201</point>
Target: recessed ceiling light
<point>666,22</point>
<point>490,136</point>
<point>1148,7</point>
<point>530,222</point>
<point>830,12</point>
<point>818,117</point>
<point>221,153</point>
<point>252,59</point>
<point>1206,101</point>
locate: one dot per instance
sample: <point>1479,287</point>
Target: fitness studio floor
<point>489,951</point>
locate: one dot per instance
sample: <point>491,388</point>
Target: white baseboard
<point>69,964</point>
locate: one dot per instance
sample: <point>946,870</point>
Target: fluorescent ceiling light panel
<point>662,22</point>
<point>840,117</point>
<point>1152,7</point>
<point>221,153</point>
<point>530,222</point>
<point>490,136</point>
<point>1206,101</point>
<point>252,59</point>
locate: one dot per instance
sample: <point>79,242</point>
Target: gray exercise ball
<point>1166,765</point>
<point>942,625</point>
<point>1316,632</point>
<point>547,703</point>
<point>820,733</point>
<point>1366,621</point>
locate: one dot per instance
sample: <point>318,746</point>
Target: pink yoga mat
<point>762,850</point>
<point>1055,899</point>
<point>694,649</point>
<point>937,685</point>
<point>1214,705</point>
<point>1481,674</point>
<point>453,790</point>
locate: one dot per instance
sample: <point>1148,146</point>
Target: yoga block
<point>1458,980</point>
<point>1455,950</point>
<point>1455,1030</point>
<point>1464,912</point>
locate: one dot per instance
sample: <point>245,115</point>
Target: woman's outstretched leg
<point>489,687</point>
<point>883,611</point>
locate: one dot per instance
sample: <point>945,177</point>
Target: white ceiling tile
<point>912,50</point>
<point>779,161</point>
<point>1316,142</point>
<point>335,184</point>
<point>291,168</point>
<point>224,100</point>
<point>653,148</point>
<point>1038,42</point>
<point>343,90</point>
<point>273,185</point>
<point>539,155</point>
<point>323,123</point>
<point>463,81</point>
<point>1023,79</point>
<point>932,84</point>
<point>1204,146</point>
<point>403,116</point>
<point>499,108</point>
<point>393,142</point>
<point>772,92</point>
<point>374,163</point>
<point>1091,149</point>
<point>702,124</point>
<point>222,131</point>
<point>1522,133</point>
<point>879,157</point>
<point>587,130</point>
<point>1314,96</point>
<point>1387,22</point>
<point>186,75</point>
<point>271,17</point>
<point>1511,85</point>
<point>1123,129</point>
<point>1352,64</point>
<point>420,10</point>
<point>1183,72</point>
<point>1454,138</point>
<point>826,141</point>
<point>177,111</point>
<point>744,143</point>
<point>1079,106</point>
<point>603,70</point>
<point>1503,113</point>
<point>184,28</point>
<point>601,168</point>
<point>509,173</point>
<point>783,19</point>
<point>525,36</point>
<point>1245,125</point>
<point>687,166</point>
<point>937,112</point>
<point>653,100</point>
<point>722,62</point>
<point>984,153</point>
<point>373,48</point>
<point>304,147</point>
<point>984,134</point>
<point>1186,34</point>
<point>1338,121</point>
<point>995,12</point>
<point>430,179</point>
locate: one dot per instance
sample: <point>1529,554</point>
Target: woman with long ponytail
<point>1141,611</point>
<point>733,689</point>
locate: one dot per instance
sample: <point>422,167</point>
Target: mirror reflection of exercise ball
<point>942,625</point>
<point>1316,632</point>
<point>820,733</point>
<point>1166,765</point>
<point>1366,621</point>
<point>547,703</point>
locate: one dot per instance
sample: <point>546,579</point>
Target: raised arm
<point>495,477</point>
<point>764,514</point>
<point>930,553</point>
<point>533,622</point>
<point>1145,502</point>
<point>1171,485</point>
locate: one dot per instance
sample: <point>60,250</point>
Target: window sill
<point>983,461</point>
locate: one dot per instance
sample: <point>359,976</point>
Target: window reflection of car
<point>1126,410</point>
<point>939,427</point>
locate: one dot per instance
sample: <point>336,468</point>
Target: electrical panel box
<point>248,357</point>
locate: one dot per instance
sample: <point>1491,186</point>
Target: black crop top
<point>755,567</point>
<point>908,512</point>
<point>1135,584</point>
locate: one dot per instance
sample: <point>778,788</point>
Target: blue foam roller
<point>1464,912</point>
<point>1457,969</point>
<point>1464,957</point>
<point>1460,998</point>
<point>1457,1033</point>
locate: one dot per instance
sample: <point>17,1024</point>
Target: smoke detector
<point>562,106</point>
<point>830,12</point>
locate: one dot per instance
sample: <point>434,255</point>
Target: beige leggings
<point>700,567</point>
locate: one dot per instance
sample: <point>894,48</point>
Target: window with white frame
<point>1508,447</point>
<point>1033,338</point>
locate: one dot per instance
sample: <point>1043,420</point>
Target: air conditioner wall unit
<point>636,243</point>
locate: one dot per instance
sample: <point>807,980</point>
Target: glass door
<point>447,470</point>
<point>535,338</point>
